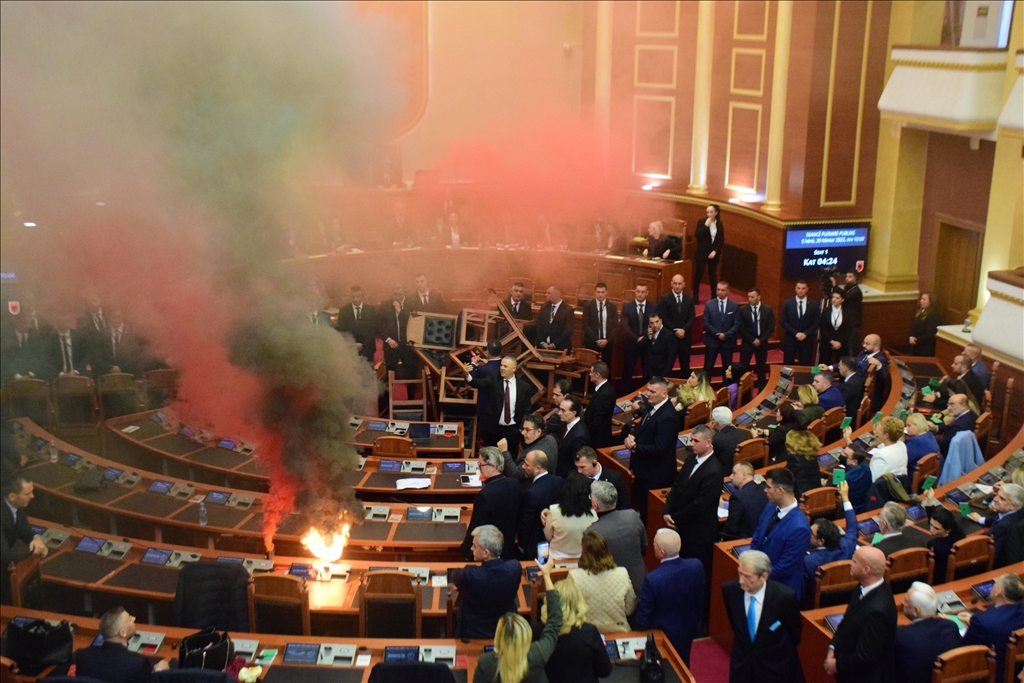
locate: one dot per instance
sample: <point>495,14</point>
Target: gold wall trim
<point>948,66</point>
<point>757,146</point>
<point>637,83</point>
<point>657,34</point>
<point>762,54</point>
<point>852,201</point>
<point>671,133</point>
<point>1006,297</point>
<point>929,122</point>
<point>736,35</point>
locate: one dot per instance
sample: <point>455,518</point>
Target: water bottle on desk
<point>52,451</point>
<point>203,519</point>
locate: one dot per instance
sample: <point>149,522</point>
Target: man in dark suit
<point>977,364</point>
<point>746,503</point>
<point>653,446</point>
<point>927,636</point>
<point>488,591</point>
<point>727,436</point>
<point>575,437</point>
<point>658,348</point>
<point>896,535</point>
<point>14,527</point>
<point>692,505</point>
<point>757,325</point>
<point>783,532</point>
<point>424,300</point>
<point>121,349</point>
<point>852,385</point>
<point>589,467</point>
<point>555,320</point>
<point>854,304</point>
<point>112,661</point>
<point>519,308</point>
<point>721,323</point>
<point>600,322</point>
<point>24,353</point>
<point>863,649</point>
<point>710,237</point>
<point>92,324</point>
<point>624,531</point>
<point>828,395</point>
<point>632,330</point>
<point>506,402</point>
<point>766,625</point>
<point>66,351</point>
<point>1006,513</point>
<point>360,321</point>
<point>534,439</point>
<point>871,355</point>
<point>487,366</point>
<point>799,320</point>
<point>994,626</point>
<point>544,490</point>
<point>392,321</point>
<point>497,503</point>
<point>598,415</point>
<point>960,419</point>
<point>672,595</point>
<point>829,543</point>
<point>677,315</point>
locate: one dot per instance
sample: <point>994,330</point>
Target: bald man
<point>863,649</point>
<point>673,594</point>
<point>958,417</point>
<point>871,355</point>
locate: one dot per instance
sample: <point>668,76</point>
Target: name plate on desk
<point>255,565</point>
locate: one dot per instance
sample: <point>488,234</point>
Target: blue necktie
<point>752,618</point>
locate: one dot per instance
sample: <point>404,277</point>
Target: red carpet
<point>709,663</point>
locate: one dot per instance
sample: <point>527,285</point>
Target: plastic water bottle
<point>203,519</point>
<point>53,451</point>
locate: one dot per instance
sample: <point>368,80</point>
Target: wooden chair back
<point>28,398</point>
<point>746,388</point>
<point>964,664</point>
<point>698,414</point>
<point>74,402</point>
<point>864,412</point>
<point>969,556</point>
<point>118,395</point>
<point>721,397</point>
<point>926,467</point>
<point>754,451</point>
<point>820,502</point>
<point>833,417</point>
<point>982,428</point>
<point>390,605</point>
<point>407,408</point>
<point>904,567</point>
<point>1014,655</point>
<point>282,598</point>
<point>394,446</point>
<point>817,427</point>
<point>832,582</point>
<point>159,387</point>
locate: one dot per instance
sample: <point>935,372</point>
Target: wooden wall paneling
<point>890,320</point>
<point>653,135</point>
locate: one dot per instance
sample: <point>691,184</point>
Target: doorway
<point>957,269</point>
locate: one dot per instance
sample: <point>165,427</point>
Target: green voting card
<point>838,476</point>
<point>929,482</point>
<point>815,370</point>
<point>847,421</point>
<point>877,537</point>
<point>877,418</point>
<point>927,391</point>
<point>903,415</point>
<point>934,383</point>
<point>965,509</point>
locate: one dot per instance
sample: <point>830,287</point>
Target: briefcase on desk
<point>651,665</point>
<point>38,644</point>
<point>207,649</point>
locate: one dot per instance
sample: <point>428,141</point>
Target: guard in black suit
<point>589,467</point>
<point>555,321</point>
<point>710,237</point>
<point>392,322</point>
<point>576,435</point>
<point>24,353</point>
<point>757,324</point>
<point>14,527</point>
<point>863,649</point>
<point>66,351</point>
<point>799,319</point>
<point>424,300</point>
<point>653,446</point>
<point>853,304</point>
<point>658,348</point>
<point>692,505</point>
<point>835,330</point>
<point>769,654</point>
<point>851,386</point>
<point>544,490</point>
<point>112,660</point>
<point>518,307</point>
<point>360,320</point>
<point>600,322</point>
<point>121,350</point>
<point>497,504</point>
<point>632,330</point>
<point>598,415</point>
<point>506,400</point>
<point>677,316</point>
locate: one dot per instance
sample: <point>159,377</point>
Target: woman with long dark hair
<point>566,520</point>
<point>925,326</point>
<point>945,531</point>
<point>710,236</point>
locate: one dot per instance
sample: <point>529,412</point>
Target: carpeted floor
<point>709,663</point>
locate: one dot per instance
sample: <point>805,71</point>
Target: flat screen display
<point>112,473</point>
<point>833,621</point>
<point>70,460</point>
<point>453,467</point>
<point>301,653</point>
<point>389,466</point>
<point>90,545</point>
<point>401,653</point>
<point>377,426</point>
<point>868,527</point>
<point>811,248</point>
<point>417,515</point>
<point>622,453</point>
<point>827,460</point>
<point>612,647</point>
<point>37,445</point>
<point>156,556</point>
<point>160,487</point>
<point>217,497</point>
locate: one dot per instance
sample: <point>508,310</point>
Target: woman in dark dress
<point>924,327</point>
<point>710,237</point>
<point>787,421</point>
<point>946,532</point>
<point>580,655</point>
<point>803,448</point>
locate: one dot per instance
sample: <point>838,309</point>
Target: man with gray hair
<point>727,436</point>
<point>1003,525</point>
<point>896,535</point>
<point>765,619</point>
<point>623,529</point>
<point>994,626</point>
<point>673,595</point>
<point>497,503</point>
<point>487,591</point>
<point>112,660</point>
<point>926,637</point>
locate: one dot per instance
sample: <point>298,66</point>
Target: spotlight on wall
<point>29,224</point>
<point>647,187</point>
<point>101,203</point>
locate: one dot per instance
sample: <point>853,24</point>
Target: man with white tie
<point>799,320</point>
<point>757,324</point>
<point>600,320</point>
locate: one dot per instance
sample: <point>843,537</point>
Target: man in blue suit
<point>487,591</point>
<point>828,543</point>
<point>828,395</point>
<point>783,532</point>
<point>721,323</point>
<point>1006,508</point>
<point>543,491</point>
<point>926,637</point>
<point>994,626</point>
<point>673,594</point>
<point>800,316</point>
<point>633,323</point>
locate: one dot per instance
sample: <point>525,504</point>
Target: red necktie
<point>508,406</point>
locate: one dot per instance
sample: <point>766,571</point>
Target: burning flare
<point>327,546</point>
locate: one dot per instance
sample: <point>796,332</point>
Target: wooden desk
<point>87,628</point>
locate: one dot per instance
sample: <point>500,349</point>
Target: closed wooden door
<point>957,271</point>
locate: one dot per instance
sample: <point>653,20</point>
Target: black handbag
<point>207,649</point>
<point>38,644</point>
<point>651,667</point>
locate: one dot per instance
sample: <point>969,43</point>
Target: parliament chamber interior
<point>568,341</point>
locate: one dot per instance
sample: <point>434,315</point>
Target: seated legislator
<point>544,490</point>
<point>829,395</point>
<point>925,326</point>
<point>658,349</point>
<point>964,381</point>
<point>600,323</point>
<point>580,654</point>
<point>787,419</point>
<point>835,328</point>
<point>507,401</point>
<point>889,456</point>
<point>17,494</point>
<point>534,439</point>
<point>829,543</point>
<point>487,591</point>
<point>598,415</point>
<point>746,503</point>
<point>994,626</point>
<point>919,440</point>
<point>588,465</point>
<point>622,530</point>
<point>727,436</point>
<point>424,300</point>
<point>958,418</point>
<point>783,532</point>
<point>945,530</point>
<point>112,662</point>
<point>678,315</point>
<point>978,366</point>
<point>360,320</point>
<point>807,405</point>
<point>799,319</point>
<point>851,385</point>
<point>673,595</point>
<point>765,619</point>
<point>604,585</point>
<point>554,323</point>
<point>565,521</point>
<point>928,635</point>
<point>858,474</point>
<point>696,388</point>
<point>1006,514</point>
<point>662,245</point>
<point>896,535</point>
<point>497,504</point>
<point>802,447</point>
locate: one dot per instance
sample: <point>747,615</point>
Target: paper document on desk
<point>413,483</point>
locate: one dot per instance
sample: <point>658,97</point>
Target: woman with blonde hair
<point>920,441</point>
<point>695,389</point>
<point>606,587</point>
<point>580,654</point>
<point>803,447</point>
<point>807,407</point>
<point>515,659</point>
<point>889,455</point>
